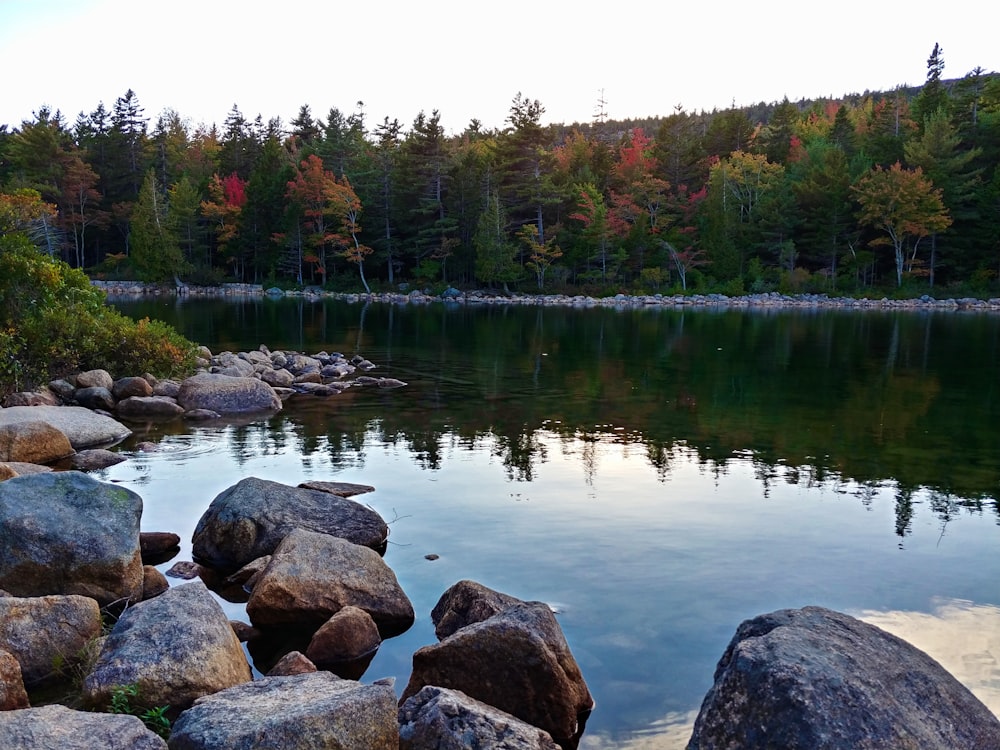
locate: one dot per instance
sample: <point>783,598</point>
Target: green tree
<point>904,205</point>
<point>933,96</point>
<point>494,251</point>
<point>156,255</point>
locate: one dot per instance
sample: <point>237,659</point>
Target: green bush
<point>53,323</point>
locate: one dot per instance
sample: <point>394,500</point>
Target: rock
<point>154,582</point>
<point>12,692</point>
<point>350,635</point>
<point>33,442</point>
<point>174,648</point>
<point>93,459</point>
<point>66,533</point>
<point>95,397</point>
<point>83,427</point>
<point>814,678</point>
<point>294,662</point>
<point>390,383</point>
<point>62,388</point>
<point>156,544</point>
<point>344,489</point>
<point>244,631</point>
<point>313,710</point>
<point>149,407</point>
<point>248,573</point>
<point>48,635</point>
<point>450,720</point>
<point>124,388</point>
<point>95,379</point>
<point>249,519</point>
<point>168,388</point>
<point>280,378</point>
<point>185,569</point>
<point>7,471</point>
<point>44,397</point>
<point>465,603</point>
<point>227,395</point>
<point>313,576</point>
<point>20,468</point>
<point>517,661</point>
<point>59,728</point>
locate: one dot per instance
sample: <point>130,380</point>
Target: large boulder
<point>295,712</point>
<point>95,379</point>
<point>174,648</point>
<point>517,661</point>
<point>816,679</point>
<point>131,386</point>
<point>83,427</point>
<point>67,533</point>
<point>60,728</point>
<point>450,720</point>
<point>227,395</point>
<point>48,635</point>
<point>313,576</point>
<point>465,603</point>
<point>12,692</point>
<point>249,520</point>
<point>33,442</point>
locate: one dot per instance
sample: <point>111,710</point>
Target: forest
<point>893,192</point>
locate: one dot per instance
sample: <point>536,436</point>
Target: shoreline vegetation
<point>764,300</point>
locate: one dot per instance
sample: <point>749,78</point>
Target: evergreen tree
<point>494,250</point>
<point>933,96</point>
<point>155,255</point>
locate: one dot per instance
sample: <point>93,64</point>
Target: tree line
<point>894,189</point>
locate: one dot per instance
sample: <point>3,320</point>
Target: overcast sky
<point>469,59</point>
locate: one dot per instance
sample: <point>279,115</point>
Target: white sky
<point>469,59</point>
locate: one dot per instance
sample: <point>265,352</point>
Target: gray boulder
<point>66,533</point>
<point>465,603</point>
<point>816,679</point>
<point>295,712</point>
<point>313,576</point>
<point>95,397</point>
<point>175,648</point>
<point>227,395</point>
<point>33,442</point>
<point>83,427</point>
<point>249,520</point>
<point>450,720</point>
<point>517,661</point>
<point>60,728</point>
<point>149,407</point>
<point>48,635</point>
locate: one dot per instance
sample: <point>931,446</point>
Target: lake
<point>656,476</point>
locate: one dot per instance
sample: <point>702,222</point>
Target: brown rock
<point>33,442</point>
<point>22,468</point>
<point>12,692</point>
<point>341,489</point>
<point>313,576</point>
<point>7,471</point>
<point>95,379</point>
<point>131,386</point>
<point>149,407</point>
<point>44,397</point>
<point>157,543</point>
<point>465,603</point>
<point>154,582</point>
<point>244,631</point>
<point>346,637</point>
<point>294,662</point>
<point>47,634</point>
<point>517,661</point>
<point>184,569</point>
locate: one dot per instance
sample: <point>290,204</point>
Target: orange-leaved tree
<point>903,204</point>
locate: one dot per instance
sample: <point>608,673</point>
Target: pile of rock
<point>502,675</point>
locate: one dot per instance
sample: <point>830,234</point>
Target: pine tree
<point>155,254</point>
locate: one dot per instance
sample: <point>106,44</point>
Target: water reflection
<point>661,477</point>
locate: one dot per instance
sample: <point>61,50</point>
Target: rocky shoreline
<point>762,301</point>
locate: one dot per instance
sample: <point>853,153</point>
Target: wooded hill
<point>894,190</point>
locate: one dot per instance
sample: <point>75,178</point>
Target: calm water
<point>656,476</point>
